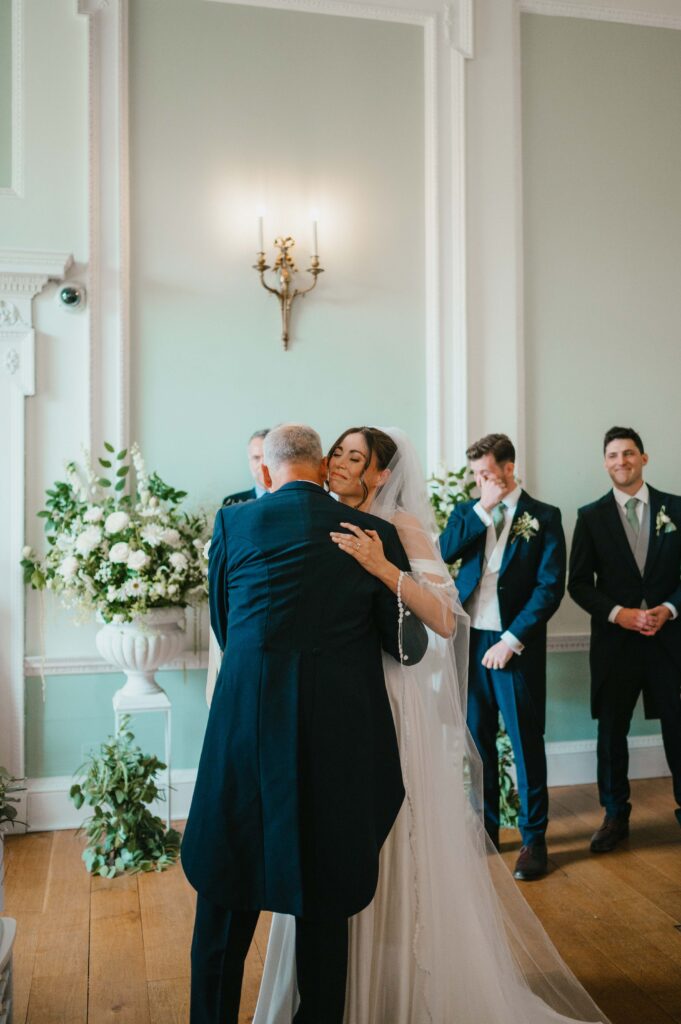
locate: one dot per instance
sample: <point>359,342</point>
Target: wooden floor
<point>90,951</point>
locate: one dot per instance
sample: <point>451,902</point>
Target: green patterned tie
<point>632,517</point>
<point>498,518</point>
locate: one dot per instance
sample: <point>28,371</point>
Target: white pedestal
<point>136,704</point>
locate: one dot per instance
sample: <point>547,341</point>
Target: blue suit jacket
<point>603,573</point>
<point>299,780</point>
<point>531,578</point>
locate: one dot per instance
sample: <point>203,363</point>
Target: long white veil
<point>448,939</point>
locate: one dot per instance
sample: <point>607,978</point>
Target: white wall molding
<point>574,763</point>
<point>602,12</point>
<point>90,664</point>
<point>22,276</point>
<point>16,189</point>
<point>108,309</point>
<point>48,807</point>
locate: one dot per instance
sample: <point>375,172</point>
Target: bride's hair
<point>378,443</point>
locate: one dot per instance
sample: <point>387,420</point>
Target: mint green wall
<point>77,716</point>
<point>5,93</point>
<point>601,110</point>
<point>232,107</point>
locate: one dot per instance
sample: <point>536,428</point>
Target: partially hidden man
<point>299,780</point>
<point>511,581</point>
<point>625,569</point>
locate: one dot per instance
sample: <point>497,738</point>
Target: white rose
<point>159,589</point>
<point>119,552</point>
<point>534,523</point>
<point>26,552</point>
<point>69,567</point>
<point>64,542</point>
<point>153,501</point>
<point>170,537</point>
<point>178,561</point>
<point>172,589</point>
<point>116,521</point>
<point>152,534</point>
<point>88,540</point>
<point>137,560</point>
<point>111,594</point>
<point>206,549</point>
<point>94,515</point>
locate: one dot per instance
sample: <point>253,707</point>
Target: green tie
<point>632,517</point>
<point>498,518</point>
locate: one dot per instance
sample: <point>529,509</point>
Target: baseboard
<point>48,807</point>
<point>574,762</point>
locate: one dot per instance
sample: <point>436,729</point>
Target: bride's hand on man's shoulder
<point>365,546</point>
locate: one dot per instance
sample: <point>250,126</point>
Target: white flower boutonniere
<point>663,523</point>
<point>526,526</point>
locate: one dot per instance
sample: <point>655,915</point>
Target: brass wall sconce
<point>284,267</point>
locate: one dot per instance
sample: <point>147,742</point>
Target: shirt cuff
<point>615,612</point>
<point>512,642</point>
<point>482,514</point>
<point>672,609</point>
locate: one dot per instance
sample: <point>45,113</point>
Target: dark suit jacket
<point>299,780</point>
<point>531,578</point>
<point>603,573</point>
<point>239,497</point>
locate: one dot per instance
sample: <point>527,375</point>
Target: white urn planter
<point>140,647</point>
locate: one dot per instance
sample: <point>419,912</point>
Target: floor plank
<point>117,982</point>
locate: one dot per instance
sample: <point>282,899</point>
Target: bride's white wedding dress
<point>447,939</point>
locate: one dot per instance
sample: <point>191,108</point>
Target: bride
<point>447,939</point>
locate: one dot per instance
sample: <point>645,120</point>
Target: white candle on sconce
<point>315,248</point>
<point>261,236</point>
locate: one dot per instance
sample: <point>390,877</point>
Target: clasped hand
<point>648,621</point>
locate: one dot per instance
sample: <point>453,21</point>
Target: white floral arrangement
<point>525,526</point>
<point>663,523</point>
<point>116,554</point>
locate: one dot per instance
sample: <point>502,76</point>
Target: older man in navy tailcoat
<point>299,781</point>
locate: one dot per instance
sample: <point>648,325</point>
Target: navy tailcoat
<point>603,573</point>
<point>299,780</point>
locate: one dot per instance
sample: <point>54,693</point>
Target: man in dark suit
<point>255,449</point>
<point>511,581</point>
<point>299,780</point>
<point>625,569</point>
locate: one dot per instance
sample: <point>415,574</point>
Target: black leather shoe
<point>532,862</point>
<point>611,832</point>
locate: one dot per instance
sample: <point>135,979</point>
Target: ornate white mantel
<point>23,275</point>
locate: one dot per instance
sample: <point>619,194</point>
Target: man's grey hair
<point>259,433</point>
<point>292,442</point>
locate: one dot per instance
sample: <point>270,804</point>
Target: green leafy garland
<point>447,490</point>
<point>123,834</point>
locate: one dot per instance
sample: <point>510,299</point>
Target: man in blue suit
<point>255,455</point>
<point>299,780</point>
<point>511,581</point>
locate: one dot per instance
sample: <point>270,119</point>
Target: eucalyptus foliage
<point>447,490</point>
<point>123,834</point>
<point>9,784</point>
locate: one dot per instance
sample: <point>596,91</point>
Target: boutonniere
<point>663,523</point>
<point>525,526</point>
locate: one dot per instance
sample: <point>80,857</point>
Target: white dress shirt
<point>483,606</point>
<point>643,496</point>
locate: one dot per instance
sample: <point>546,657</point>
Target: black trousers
<point>221,941</point>
<point>639,666</point>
